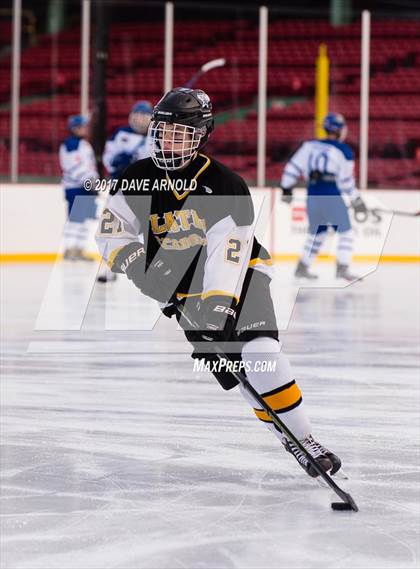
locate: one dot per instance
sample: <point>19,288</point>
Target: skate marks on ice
<point>156,518</point>
<point>111,461</point>
<point>135,474</point>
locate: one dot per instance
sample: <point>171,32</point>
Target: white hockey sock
<point>312,246</point>
<point>105,271</point>
<point>276,386</point>
<point>345,247</point>
<point>82,235</point>
<point>71,234</point>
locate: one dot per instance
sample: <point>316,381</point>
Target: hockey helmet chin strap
<point>342,134</point>
<point>173,145</point>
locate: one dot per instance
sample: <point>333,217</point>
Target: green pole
<point>56,16</point>
<point>340,12</point>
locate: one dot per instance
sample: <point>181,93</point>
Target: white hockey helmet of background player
<point>181,124</point>
<point>139,116</point>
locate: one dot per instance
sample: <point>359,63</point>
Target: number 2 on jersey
<point>232,250</point>
<point>110,224</point>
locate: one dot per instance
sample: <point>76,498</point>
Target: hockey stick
<point>395,212</point>
<point>213,64</point>
<point>347,501</point>
<point>371,210</point>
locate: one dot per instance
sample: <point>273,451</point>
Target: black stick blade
<point>341,506</point>
<point>349,504</point>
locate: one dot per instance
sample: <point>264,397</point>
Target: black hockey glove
<point>287,195</point>
<point>160,281</point>
<point>169,309</point>
<point>131,260</point>
<point>217,319</point>
<point>359,205</point>
<point>157,281</point>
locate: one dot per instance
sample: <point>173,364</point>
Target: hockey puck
<point>341,506</point>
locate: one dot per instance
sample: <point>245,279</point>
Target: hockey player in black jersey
<point>181,227</point>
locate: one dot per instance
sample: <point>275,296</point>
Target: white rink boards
<point>280,227</point>
<point>115,457</point>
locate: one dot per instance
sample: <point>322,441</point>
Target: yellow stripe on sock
<point>262,415</point>
<point>283,397</point>
<point>288,395</point>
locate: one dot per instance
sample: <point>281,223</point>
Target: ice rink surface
<point>116,454</point>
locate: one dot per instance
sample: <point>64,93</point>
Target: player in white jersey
<point>78,164</point>
<point>181,228</point>
<point>128,143</point>
<point>327,166</point>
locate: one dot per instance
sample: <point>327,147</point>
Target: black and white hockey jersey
<point>201,218</point>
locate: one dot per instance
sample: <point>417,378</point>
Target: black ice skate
<point>344,273</point>
<point>327,460</point>
<point>82,256</point>
<point>70,254</point>
<point>107,277</point>
<point>303,272</point>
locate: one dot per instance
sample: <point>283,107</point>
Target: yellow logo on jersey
<point>181,244</point>
<point>175,221</point>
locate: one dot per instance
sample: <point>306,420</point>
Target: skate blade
<point>321,482</point>
<point>340,475</point>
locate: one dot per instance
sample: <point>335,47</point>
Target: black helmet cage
<point>189,111</point>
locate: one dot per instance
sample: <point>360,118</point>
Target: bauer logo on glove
<point>131,258</point>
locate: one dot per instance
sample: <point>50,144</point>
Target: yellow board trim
<point>180,197</point>
<point>38,257</point>
<point>356,258</point>
<point>30,257</point>
<point>53,257</point>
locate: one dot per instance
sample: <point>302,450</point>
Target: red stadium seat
<point>50,86</point>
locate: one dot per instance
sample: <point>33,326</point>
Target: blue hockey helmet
<point>75,121</point>
<point>335,123</point>
<point>142,107</point>
<point>139,116</point>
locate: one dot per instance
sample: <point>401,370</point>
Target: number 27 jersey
<point>200,220</point>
